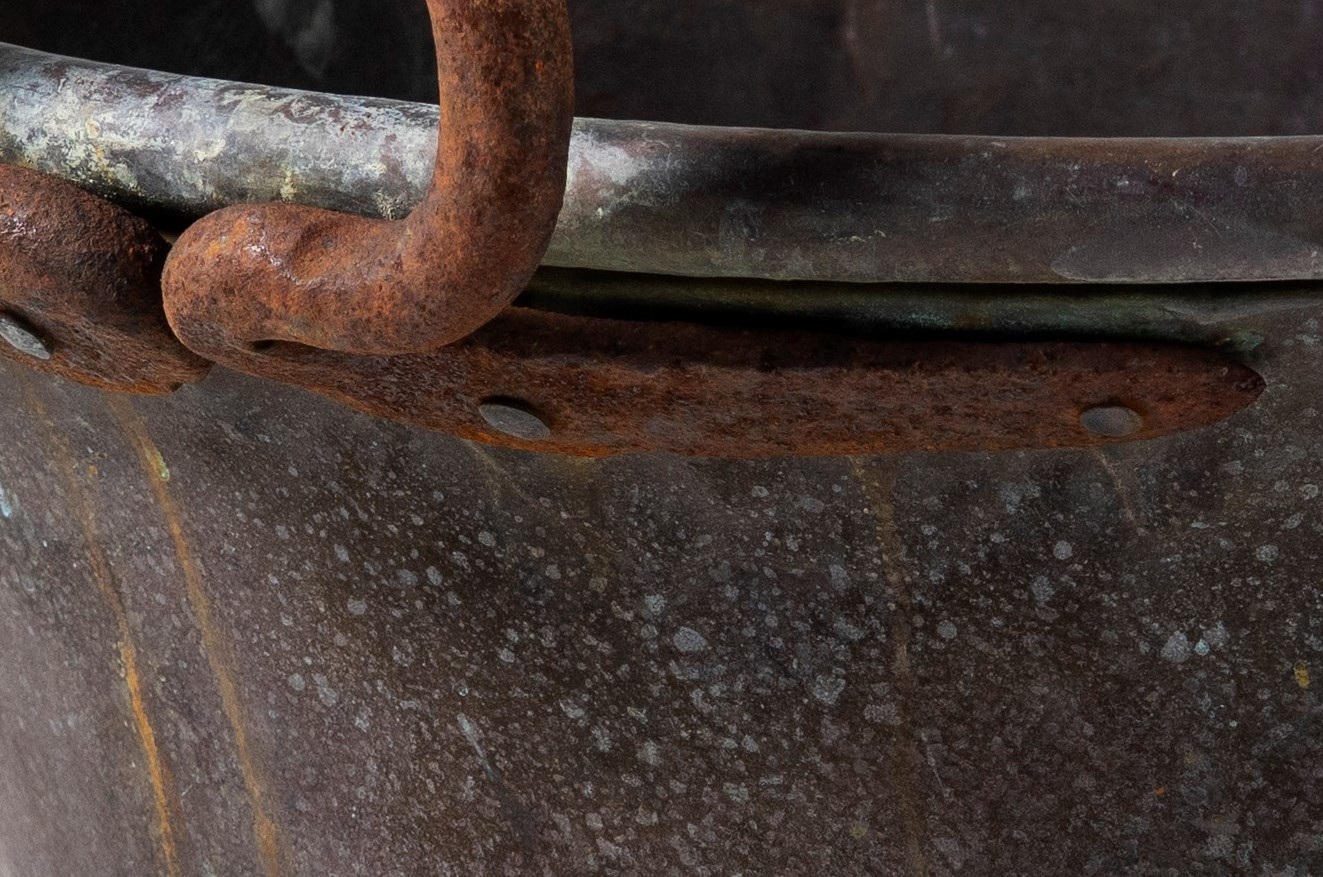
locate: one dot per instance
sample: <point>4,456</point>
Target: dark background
<point>1128,67</point>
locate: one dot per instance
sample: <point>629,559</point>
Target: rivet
<point>23,339</point>
<point>514,418</point>
<point>1112,421</point>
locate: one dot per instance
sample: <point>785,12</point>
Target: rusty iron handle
<point>253,274</point>
<point>80,292</point>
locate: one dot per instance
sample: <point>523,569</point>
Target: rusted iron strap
<point>80,289</point>
<point>589,386</point>
<point>705,202</point>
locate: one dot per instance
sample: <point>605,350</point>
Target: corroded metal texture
<point>244,632</point>
<point>250,633</point>
<point>673,199</point>
<point>80,289</point>
<point>604,386</point>
<point>254,274</point>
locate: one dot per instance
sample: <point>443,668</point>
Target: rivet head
<point>514,418</point>
<point>1112,421</point>
<point>18,336</point>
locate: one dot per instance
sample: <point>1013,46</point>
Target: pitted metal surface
<point>600,386</point>
<point>366,649</point>
<point>247,632</point>
<point>80,292</point>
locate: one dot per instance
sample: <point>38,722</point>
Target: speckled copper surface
<point>359,648</point>
<point>245,632</point>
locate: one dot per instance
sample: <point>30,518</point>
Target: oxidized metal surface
<point>255,274</point>
<point>600,383</point>
<point>721,202</point>
<point>245,632</point>
<point>80,291</point>
<point>359,648</point>
<point>604,386</point>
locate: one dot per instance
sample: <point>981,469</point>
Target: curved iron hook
<point>253,274</point>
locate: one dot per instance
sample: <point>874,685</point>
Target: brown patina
<point>80,280</point>
<point>606,386</point>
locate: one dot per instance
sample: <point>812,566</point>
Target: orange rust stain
<point>162,784</point>
<point>163,791</point>
<point>215,646</point>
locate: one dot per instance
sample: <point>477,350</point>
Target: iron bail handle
<point>250,275</point>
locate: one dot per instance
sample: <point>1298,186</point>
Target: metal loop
<point>253,274</point>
